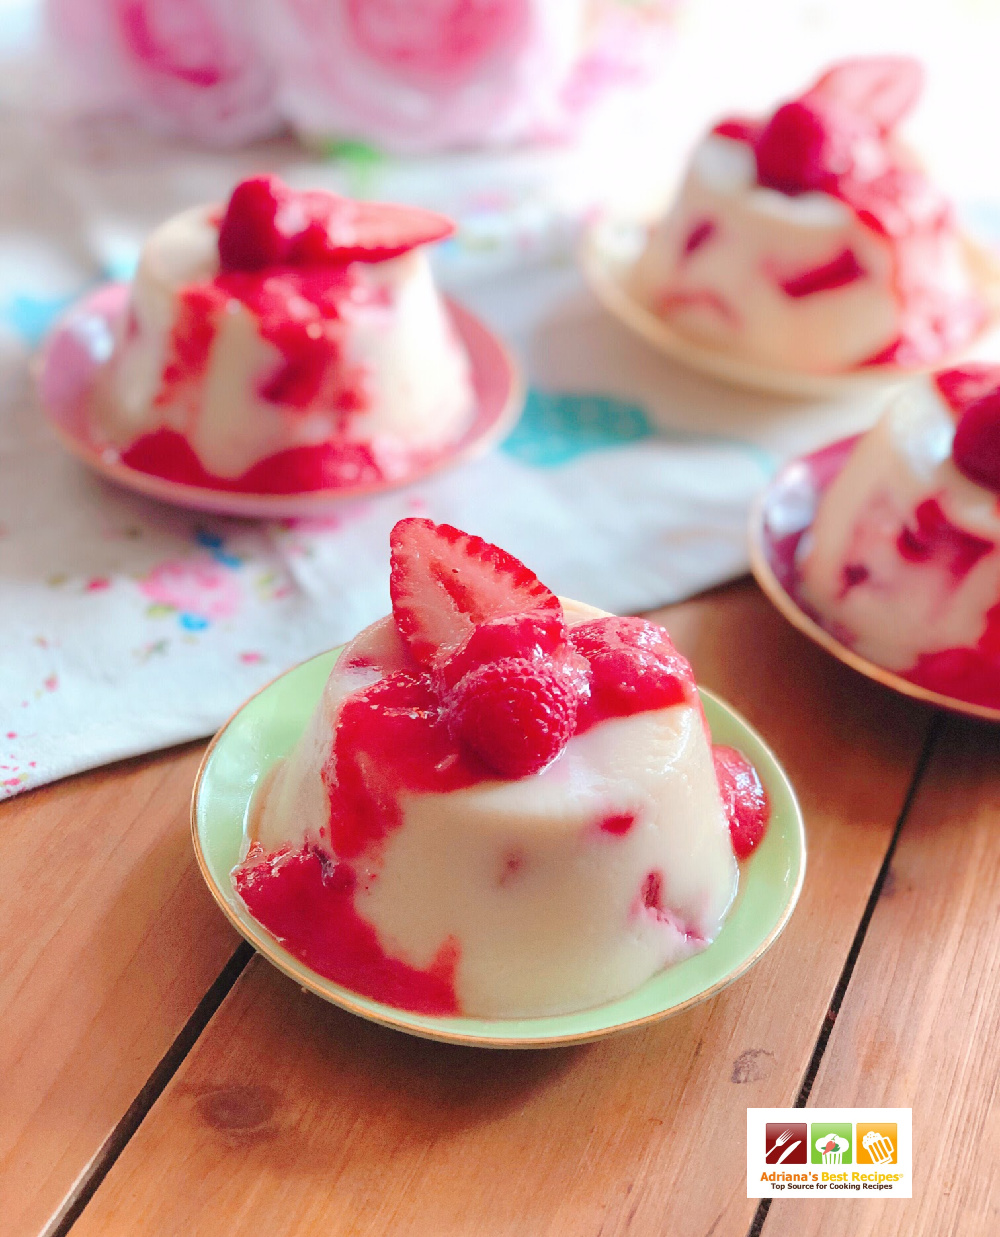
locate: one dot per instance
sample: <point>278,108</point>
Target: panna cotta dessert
<point>902,560</point>
<point>504,805</point>
<point>812,240</point>
<point>288,341</point>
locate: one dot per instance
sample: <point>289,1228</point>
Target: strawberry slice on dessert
<point>444,583</point>
<point>267,224</point>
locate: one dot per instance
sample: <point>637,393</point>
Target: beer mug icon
<point>831,1148</point>
<point>879,1147</point>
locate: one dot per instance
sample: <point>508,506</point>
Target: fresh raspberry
<point>802,149</point>
<point>249,239</point>
<point>633,668</point>
<point>535,637</point>
<point>444,583</point>
<point>743,798</point>
<point>514,715</point>
<point>976,449</point>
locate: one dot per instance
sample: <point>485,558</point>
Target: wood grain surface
<point>108,941</point>
<point>920,1024</point>
<point>290,1116</point>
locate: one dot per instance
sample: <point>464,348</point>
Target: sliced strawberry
<point>444,583</point>
<point>249,239</point>
<point>880,88</point>
<point>341,230</point>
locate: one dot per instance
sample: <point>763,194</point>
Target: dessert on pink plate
<point>812,240</point>
<point>902,560</point>
<point>504,804</point>
<point>288,341</point>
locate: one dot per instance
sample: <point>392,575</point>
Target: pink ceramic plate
<point>81,343</point>
<point>781,515</point>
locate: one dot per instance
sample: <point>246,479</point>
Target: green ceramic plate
<point>266,729</point>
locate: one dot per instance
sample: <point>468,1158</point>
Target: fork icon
<point>780,1141</point>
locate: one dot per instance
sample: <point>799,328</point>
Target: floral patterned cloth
<point>126,625</point>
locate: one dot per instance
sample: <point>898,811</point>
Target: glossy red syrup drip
<point>191,339</point>
<point>743,798</point>
<point>308,902</point>
<point>837,273</point>
<point>937,539</point>
<point>329,465</point>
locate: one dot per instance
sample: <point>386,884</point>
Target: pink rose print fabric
<point>196,68</point>
<point>404,75</point>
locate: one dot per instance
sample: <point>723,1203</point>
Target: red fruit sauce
<point>302,282</point>
<point>308,902</point>
<point>937,539</point>
<point>971,674</point>
<point>399,735</point>
<point>837,138</point>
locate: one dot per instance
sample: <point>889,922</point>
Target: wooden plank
<point>108,941</point>
<point>291,1117</point>
<point>920,1022</point>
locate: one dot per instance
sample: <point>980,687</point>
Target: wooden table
<point>156,1079</point>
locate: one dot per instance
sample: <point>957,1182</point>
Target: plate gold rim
<point>335,994</point>
<point>773,589</point>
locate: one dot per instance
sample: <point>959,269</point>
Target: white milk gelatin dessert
<point>288,341</point>
<point>504,805</point>
<point>812,240</point>
<point>902,560</point>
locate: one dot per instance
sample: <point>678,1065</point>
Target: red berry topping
<point>267,224</point>
<point>249,239</point>
<point>965,385</point>
<point>976,449</point>
<point>802,149</point>
<point>633,668</point>
<point>882,89</point>
<point>537,637</point>
<point>444,583</point>
<point>743,798</point>
<point>514,715</point>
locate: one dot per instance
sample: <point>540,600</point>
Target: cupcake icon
<point>831,1148</point>
<point>879,1147</point>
